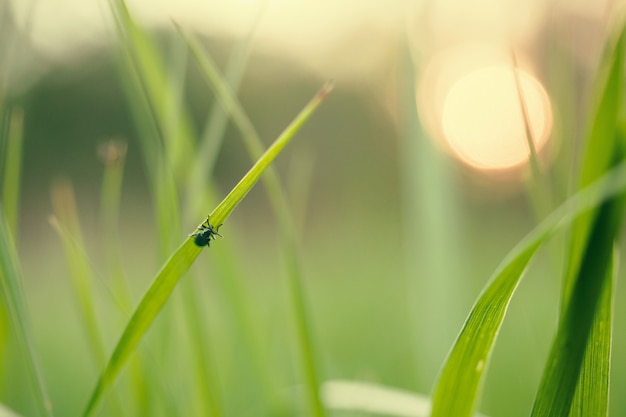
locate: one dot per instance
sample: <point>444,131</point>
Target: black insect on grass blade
<point>180,261</point>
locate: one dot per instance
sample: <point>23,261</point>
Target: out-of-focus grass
<point>460,382</point>
<point>219,350</point>
<point>12,170</point>
<point>283,214</point>
<point>15,304</point>
<point>180,261</point>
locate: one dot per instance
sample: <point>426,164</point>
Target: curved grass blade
<point>13,295</point>
<point>180,261</point>
<point>589,266</point>
<point>461,378</point>
<point>562,372</point>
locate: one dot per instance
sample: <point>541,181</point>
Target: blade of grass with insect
<point>15,302</point>
<point>158,120</point>
<point>180,261</point>
<point>281,210</point>
<point>13,161</point>
<point>230,284</point>
<point>461,378</point>
<point>571,363</point>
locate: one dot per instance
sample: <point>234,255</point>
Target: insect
<point>205,234</point>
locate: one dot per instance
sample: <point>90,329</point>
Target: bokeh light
<point>483,119</point>
<point>468,102</point>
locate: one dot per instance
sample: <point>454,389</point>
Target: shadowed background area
<point>408,187</point>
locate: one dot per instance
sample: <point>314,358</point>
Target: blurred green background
<point>396,236</point>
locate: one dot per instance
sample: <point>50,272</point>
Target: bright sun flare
<point>483,122</point>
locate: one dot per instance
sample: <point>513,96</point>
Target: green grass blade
<point>600,148</point>
<point>14,300</point>
<point>223,91</point>
<point>113,154</point>
<point>461,379</point>
<point>13,161</point>
<point>81,275</point>
<point>236,195</point>
<point>180,261</point>
<point>592,393</point>
<point>174,125</point>
<point>562,372</point>
<point>217,120</point>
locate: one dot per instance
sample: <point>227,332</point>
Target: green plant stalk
<point>430,213</point>
<point>180,261</point>
<point>281,210</point>
<point>14,300</point>
<point>80,272</point>
<point>541,195</point>
<point>113,155</point>
<point>215,127</point>
<point>143,54</point>
<point>207,381</point>
<point>11,186</point>
<point>81,278</point>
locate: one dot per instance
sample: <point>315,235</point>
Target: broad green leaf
<point>180,261</point>
<point>461,378</point>
<point>14,300</point>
